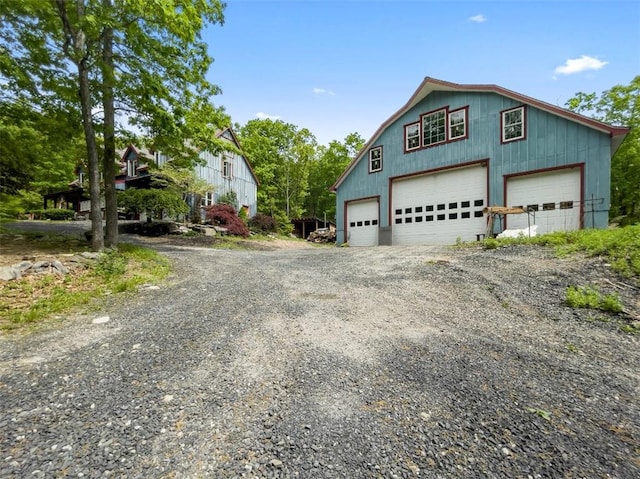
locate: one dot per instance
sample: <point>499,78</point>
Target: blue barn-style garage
<point>452,150</point>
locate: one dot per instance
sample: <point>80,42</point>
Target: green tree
<point>619,106</point>
<point>143,59</point>
<point>330,163</point>
<point>281,155</point>
<point>155,202</point>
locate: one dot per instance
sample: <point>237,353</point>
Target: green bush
<point>590,298</point>
<point>58,214</point>
<point>262,223</point>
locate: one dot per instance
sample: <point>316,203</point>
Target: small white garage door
<point>362,223</point>
<point>440,207</point>
<point>555,197</point>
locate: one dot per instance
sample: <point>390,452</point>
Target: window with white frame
<point>375,159</point>
<point>412,136</point>
<point>226,167</point>
<point>207,199</point>
<point>132,165</point>
<point>434,127</point>
<point>458,124</point>
<point>513,127</point>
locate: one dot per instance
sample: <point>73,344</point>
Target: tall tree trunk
<point>97,239</point>
<point>108,160</point>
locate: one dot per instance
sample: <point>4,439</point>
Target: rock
<point>9,273</point>
<point>23,265</point>
<point>100,320</point>
<point>59,267</point>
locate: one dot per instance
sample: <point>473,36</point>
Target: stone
<point>59,267</point>
<point>23,265</point>
<point>9,273</point>
<point>100,320</point>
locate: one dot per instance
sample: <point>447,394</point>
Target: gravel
<point>333,362</point>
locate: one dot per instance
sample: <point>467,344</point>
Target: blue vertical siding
<point>551,142</point>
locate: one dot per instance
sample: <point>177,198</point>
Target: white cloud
<point>322,91</point>
<point>263,116</point>
<point>577,65</point>
<point>480,18</point>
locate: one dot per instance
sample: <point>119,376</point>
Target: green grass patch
<point>590,298</point>
<point>38,297</point>
<point>620,246</point>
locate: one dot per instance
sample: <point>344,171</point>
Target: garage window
<point>375,159</point>
<point>513,124</point>
<point>566,205</point>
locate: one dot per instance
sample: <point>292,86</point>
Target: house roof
<point>429,85</point>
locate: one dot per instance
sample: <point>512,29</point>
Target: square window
<point>399,211</point>
<point>548,206</point>
<point>428,218</point>
<point>465,204</point>
<point>375,159</point>
<point>453,216</point>
<point>441,217</point>
<point>513,124</point>
<point>359,223</point>
<point>374,222</point>
<point>352,224</point>
<point>453,206</point>
<point>478,214</point>
<point>412,136</point>
<point>465,215</point>
<point>418,219</point>
<point>533,207</point>
<point>478,203</point>
<point>408,220</point>
<point>407,211</point>
<point>433,128</point>
<point>418,209</point>
<point>441,206</point>
<point>566,205</point>
<point>367,223</point>
<point>398,221</point>
<point>429,208</point>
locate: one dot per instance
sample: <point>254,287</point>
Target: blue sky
<point>337,67</point>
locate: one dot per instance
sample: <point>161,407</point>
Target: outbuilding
<point>429,171</point>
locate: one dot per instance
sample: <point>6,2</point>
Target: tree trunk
<point>108,160</point>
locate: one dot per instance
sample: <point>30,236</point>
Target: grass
<point>620,246</point>
<point>38,297</point>
<point>590,298</point>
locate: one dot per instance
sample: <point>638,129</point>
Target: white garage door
<point>362,223</point>
<point>440,207</point>
<point>555,197</point>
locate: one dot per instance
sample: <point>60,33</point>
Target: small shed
<point>303,227</point>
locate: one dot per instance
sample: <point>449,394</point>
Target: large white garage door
<point>554,195</point>
<point>362,223</point>
<point>440,207</point>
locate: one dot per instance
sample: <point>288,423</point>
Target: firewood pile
<point>322,235</point>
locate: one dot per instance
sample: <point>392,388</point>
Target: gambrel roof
<point>430,85</point>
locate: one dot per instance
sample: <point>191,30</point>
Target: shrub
<point>262,223</point>
<point>229,198</point>
<point>58,214</point>
<point>590,298</point>
<point>227,217</point>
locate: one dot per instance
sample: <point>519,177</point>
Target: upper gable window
<point>434,127</point>
<point>226,167</point>
<point>412,136</point>
<point>458,124</point>
<point>375,159</point>
<point>513,124</point>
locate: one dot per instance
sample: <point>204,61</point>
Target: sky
<point>337,67</point>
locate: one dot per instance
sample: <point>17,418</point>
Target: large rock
<point>9,273</point>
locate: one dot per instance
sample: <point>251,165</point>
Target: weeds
<point>590,298</point>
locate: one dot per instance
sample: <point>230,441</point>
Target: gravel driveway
<point>332,362</point>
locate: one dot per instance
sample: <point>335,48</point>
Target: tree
<point>142,59</point>
<point>154,202</point>
<point>619,106</point>
<point>330,163</point>
<point>281,155</point>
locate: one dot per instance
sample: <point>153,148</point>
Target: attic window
<point>458,124</point>
<point>226,167</point>
<point>375,159</point>
<point>513,124</point>
<point>434,127</point>
<point>412,136</point>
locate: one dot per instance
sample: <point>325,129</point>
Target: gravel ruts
<point>332,362</point>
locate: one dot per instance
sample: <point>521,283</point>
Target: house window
<point>132,164</point>
<point>375,159</point>
<point>207,199</point>
<point>513,124</point>
<point>412,136</point>
<point>458,124</point>
<point>433,128</point>
<point>226,167</point>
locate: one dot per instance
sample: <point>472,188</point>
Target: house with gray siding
<point>227,172</point>
<point>430,171</point>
